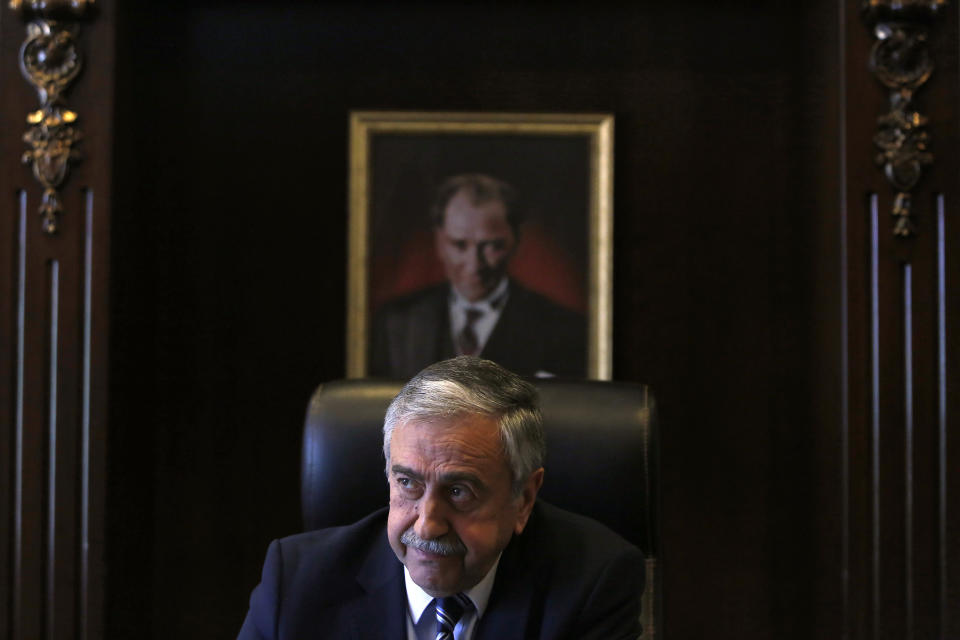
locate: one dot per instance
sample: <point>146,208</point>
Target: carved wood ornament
<point>900,59</point>
<point>50,60</point>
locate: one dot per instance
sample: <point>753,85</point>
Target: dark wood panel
<point>951,456</point>
<point>941,102</point>
<point>233,153</point>
<point>927,568</point>
<point>800,498</point>
<point>894,460</point>
<point>21,525</point>
<point>10,227</point>
<point>53,505</point>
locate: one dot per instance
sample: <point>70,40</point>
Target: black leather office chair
<point>601,459</point>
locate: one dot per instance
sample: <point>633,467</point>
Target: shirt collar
<point>490,303</point>
<point>479,594</point>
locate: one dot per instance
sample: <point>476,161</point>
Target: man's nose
<point>431,519</point>
<point>480,257</point>
<point>472,261</point>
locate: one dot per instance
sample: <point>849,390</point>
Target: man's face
<point>475,245</point>
<point>450,489</point>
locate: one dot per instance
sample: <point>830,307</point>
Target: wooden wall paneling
<point>9,357</point>
<point>712,270</point>
<point>820,169</point>
<point>949,415</point>
<point>54,355</point>
<point>943,467</point>
<point>10,272</point>
<point>9,267</point>
<point>712,290</point>
<point>898,536</point>
<point>939,564</point>
<point>858,347</point>
<point>23,429</point>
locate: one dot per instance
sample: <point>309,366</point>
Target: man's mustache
<point>448,545</point>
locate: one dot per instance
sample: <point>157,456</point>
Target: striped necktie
<point>467,341</point>
<point>449,612</point>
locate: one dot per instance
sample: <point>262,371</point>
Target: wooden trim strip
<point>53,274</point>
<point>16,621</point>
<point>83,600</point>
<point>908,445</point>
<point>875,411</point>
<point>942,405</point>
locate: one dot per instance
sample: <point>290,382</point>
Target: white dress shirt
<point>491,307</point>
<point>420,627</point>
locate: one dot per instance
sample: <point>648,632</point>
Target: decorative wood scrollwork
<point>50,60</point>
<point>900,59</point>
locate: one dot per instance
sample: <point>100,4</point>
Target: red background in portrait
<point>550,174</point>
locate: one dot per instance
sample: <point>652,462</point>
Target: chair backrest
<point>601,459</point>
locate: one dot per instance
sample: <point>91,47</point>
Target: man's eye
<point>460,494</point>
<point>406,483</point>
<point>460,245</point>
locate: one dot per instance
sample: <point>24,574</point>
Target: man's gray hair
<point>471,385</point>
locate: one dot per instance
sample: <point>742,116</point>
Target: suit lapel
<point>429,333</point>
<point>444,347</point>
<point>380,613</point>
<point>515,607</point>
<point>509,339</point>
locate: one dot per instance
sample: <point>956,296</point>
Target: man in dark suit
<point>479,310</point>
<point>465,550</point>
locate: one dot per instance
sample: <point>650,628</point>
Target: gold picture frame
<point>563,161</point>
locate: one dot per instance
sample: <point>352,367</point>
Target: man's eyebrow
<point>407,471</point>
<point>462,476</point>
<point>446,478</point>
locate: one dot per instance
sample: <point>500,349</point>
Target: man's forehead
<point>465,208</point>
<point>466,429</point>
<point>466,420</point>
<point>466,443</point>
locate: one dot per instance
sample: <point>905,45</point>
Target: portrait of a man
<point>486,234</point>
<point>478,309</point>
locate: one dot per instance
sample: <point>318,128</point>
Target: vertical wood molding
<point>875,437</point>
<point>54,350</point>
<point>906,297</point>
<point>942,599</point>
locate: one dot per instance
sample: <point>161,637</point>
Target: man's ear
<point>527,497</point>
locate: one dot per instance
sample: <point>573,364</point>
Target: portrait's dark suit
<point>532,335</point>
<point>565,577</point>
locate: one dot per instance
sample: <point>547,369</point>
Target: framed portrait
<point>480,233</point>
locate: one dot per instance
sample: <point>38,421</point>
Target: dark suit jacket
<point>533,334</point>
<point>566,577</point>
